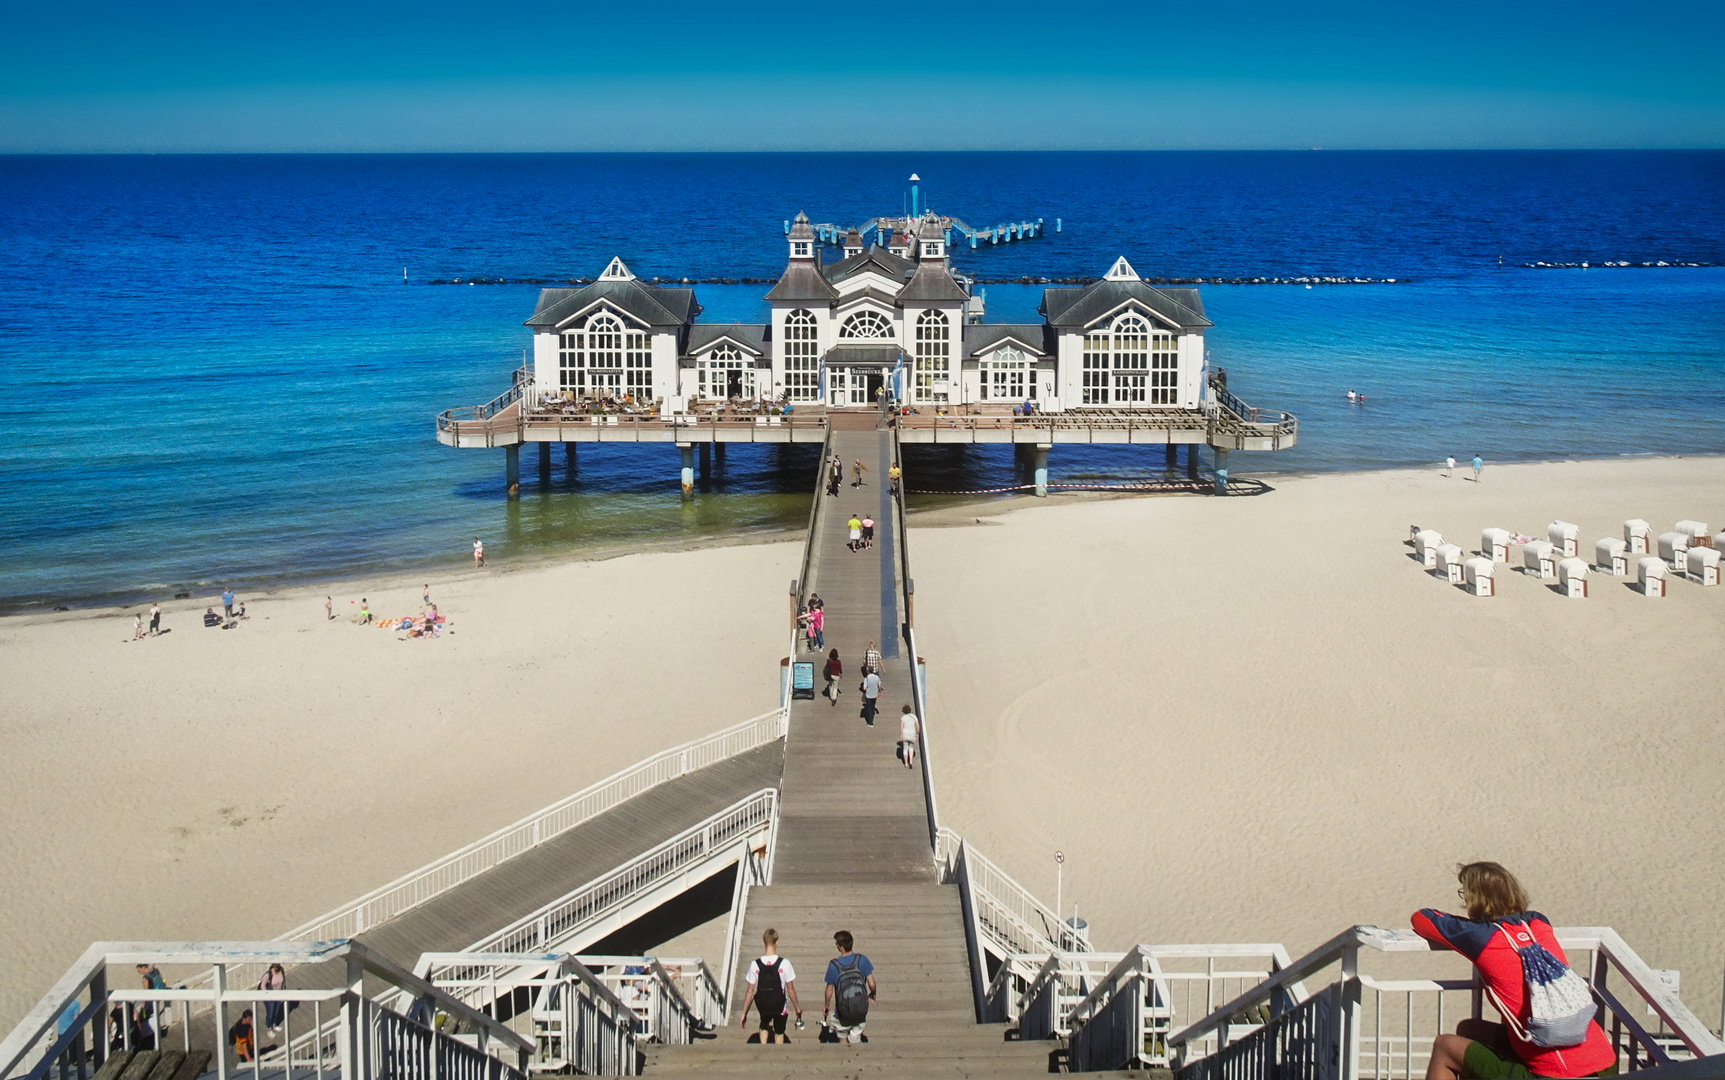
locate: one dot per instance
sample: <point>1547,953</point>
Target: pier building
<point>896,328</point>
<point>534,950</point>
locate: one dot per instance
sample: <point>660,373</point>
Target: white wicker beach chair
<point>1674,549</point>
<point>1539,558</point>
<point>1449,560</point>
<point>1611,556</point>
<point>1494,545</point>
<point>1651,572</point>
<point>1565,538</point>
<point>1479,577</point>
<point>1426,543</point>
<point>1572,578</point>
<point>1703,565</point>
<point>1637,537</point>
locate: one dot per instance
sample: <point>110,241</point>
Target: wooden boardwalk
<point>853,848</point>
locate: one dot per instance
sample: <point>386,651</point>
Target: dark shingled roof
<point>981,336</point>
<point>883,261</point>
<point>803,283</point>
<point>658,308</point>
<point>1081,307</point>
<point>864,354</point>
<point>932,281</point>
<point>751,336</point>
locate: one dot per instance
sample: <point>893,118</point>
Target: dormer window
<point>801,247</point>
<point>931,249</point>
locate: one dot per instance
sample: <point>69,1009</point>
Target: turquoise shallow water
<point>211,370</point>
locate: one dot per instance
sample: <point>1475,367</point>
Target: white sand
<point>1255,718</point>
<point>216,785</point>
<point>1259,719</point>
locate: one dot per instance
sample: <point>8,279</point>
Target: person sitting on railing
<point>1499,935</point>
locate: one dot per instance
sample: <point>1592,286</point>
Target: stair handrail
<point>519,380</point>
<point>462,865</point>
<point>543,929</point>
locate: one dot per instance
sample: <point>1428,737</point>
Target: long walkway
<point>853,849</point>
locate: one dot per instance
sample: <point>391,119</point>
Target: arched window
<point>802,355</point>
<point>866,326</point>
<point>1131,359</point>
<point>1006,376</point>
<point>933,357</point>
<point>725,373</point>
<point>605,358</point>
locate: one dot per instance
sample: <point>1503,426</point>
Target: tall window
<point>1096,368</point>
<point>933,356</point>
<point>604,358</point>
<point>1164,369</point>
<point>866,325</point>
<point>1007,376</point>
<point>1131,359</point>
<point>802,356</point>
<point>724,373</point>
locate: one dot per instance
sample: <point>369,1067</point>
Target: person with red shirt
<point>1497,915</point>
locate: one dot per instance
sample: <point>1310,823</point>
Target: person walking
<point>478,553</point>
<point>772,986</point>
<point>817,628</point>
<point>907,732</point>
<point>426,588</point>
<point>892,476</point>
<point>857,469</point>
<point>867,531</point>
<point>871,659</point>
<point>243,1038</point>
<point>228,601</point>
<point>850,988</point>
<point>1478,467</point>
<point>833,670</point>
<point>152,978</point>
<point>871,696</point>
<point>855,526</point>
<point>1448,466</point>
<point>329,608</point>
<point>155,620</point>
<point>274,979</point>
<point>807,619</point>
<point>138,627</point>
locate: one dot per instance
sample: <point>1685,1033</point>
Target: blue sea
<point>212,370</point>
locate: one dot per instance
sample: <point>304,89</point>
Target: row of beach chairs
<point>1689,550</point>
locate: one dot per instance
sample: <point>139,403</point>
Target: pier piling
<point>1192,461</point>
<point>544,464</point>
<point>688,452</point>
<point>1042,470</point>
<point>512,467</point>
<point>1221,470</point>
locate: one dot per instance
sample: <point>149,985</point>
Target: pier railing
<point>1273,1028</point>
<point>606,900</point>
<point>1258,421</point>
<point>519,381</point>
<point>352,1035</point>
<point>436,878</point>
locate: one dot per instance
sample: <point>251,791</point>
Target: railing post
<point>1349,1013</point>
<point>219,983</point>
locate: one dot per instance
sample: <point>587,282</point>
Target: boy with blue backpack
<point>850,988</point>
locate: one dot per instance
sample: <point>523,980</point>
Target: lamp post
<point>1059,883</point>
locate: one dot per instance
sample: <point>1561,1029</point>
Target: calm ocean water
<point>212,371</point>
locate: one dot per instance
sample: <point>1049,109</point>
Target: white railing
<point>1334,1036</point>
<point>358,1038</point>
<point>1012,920</point>
<point>732,832</point>
<point>461,866</point>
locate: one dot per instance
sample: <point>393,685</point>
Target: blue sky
<point>571,75</point>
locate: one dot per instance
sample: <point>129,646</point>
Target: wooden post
<point>544,464</point>
<point>511,472</point>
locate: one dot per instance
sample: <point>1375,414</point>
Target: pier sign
<point>803,680</point>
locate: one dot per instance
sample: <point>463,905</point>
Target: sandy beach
<point>1254,718</point>
<point>1260,719</point>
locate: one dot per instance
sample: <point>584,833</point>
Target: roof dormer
<point>1121,271</point>
<point>853,243</point>
<point>931,241</point>
<point>802,239</point>
<point>899,244</point>
<point>616,271</point>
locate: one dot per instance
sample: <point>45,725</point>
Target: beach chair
<point>1651,571</point>
<point>1704,565</point>
<point>1449,560</point>
<point>1564,537</point>
<point>1610,555</point>
<point>1426,543</point>
<point>1539,558</point>
<point>1479,577</point>
<point>1636,537</point>
<point>1572,578</point>
<point>1674,549</point>
<point>1494,545</point>
<point>1697,533</point>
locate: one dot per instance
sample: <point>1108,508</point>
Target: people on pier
<point>867,531</point>
<point>892,476</point>
<point>907,733</point>
<point>857,469</point>
<point>772,987</point>
<point>855,526</point>
<point>832,671</point>
<point>871,696</point>
<point>850,987</point>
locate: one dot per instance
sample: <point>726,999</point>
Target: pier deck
<point>853,850</point>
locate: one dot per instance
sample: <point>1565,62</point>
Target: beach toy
<point>1610,556</point>
<point>1674,549</point>
<point>1572,578</point>
<point>1494,545</point>
<point>1479,577</point>
<point>1538,558</point>
<point>1563,537</point>
<point>1449,560</point>
<point>1426,543</point>
<point>1636,534</point>
<point>1704,565</point>
<point>1651,571</point>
